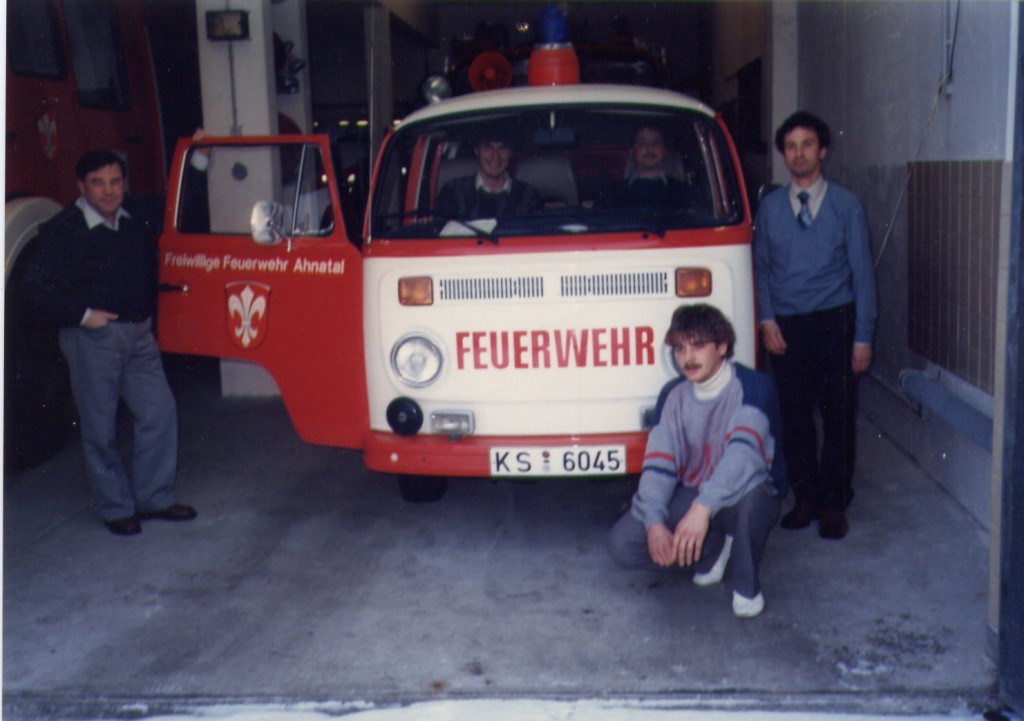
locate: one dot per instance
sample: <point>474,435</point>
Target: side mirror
<point>267,223</point>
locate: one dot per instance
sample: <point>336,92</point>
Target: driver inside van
<point>649,182</point>
<point>492,192</point>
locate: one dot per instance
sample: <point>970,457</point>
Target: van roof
<point>560,95</point>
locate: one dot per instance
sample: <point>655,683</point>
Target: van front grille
<point>582,285</point>
<point>615,284</point>
<point>451,289</point>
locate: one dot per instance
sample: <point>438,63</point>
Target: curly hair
<point>803,119</point>
<point>701,322</point>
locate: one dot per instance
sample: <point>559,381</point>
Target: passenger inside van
<point>491,192</point>
<point>653,178</point>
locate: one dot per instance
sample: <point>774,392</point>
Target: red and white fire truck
<point>79,76</point>
<point>525,346</point>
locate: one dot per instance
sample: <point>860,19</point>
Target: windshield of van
<point>556,171</point>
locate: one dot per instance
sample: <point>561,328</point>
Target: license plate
<point>559,461</point>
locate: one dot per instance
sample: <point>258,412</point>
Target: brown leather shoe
<point>833,525</point>
<point>177,512</point>
<point>129,526</point>
<point>800,516</point>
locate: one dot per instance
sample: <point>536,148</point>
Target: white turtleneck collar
<point>714,385</point>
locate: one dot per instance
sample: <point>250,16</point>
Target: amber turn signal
<point>416,291</point>
<point>693,282</point>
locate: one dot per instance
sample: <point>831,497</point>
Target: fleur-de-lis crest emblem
<point>47,125</point>
<point>248,306</point>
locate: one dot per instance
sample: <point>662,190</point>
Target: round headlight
<point>416,361</point>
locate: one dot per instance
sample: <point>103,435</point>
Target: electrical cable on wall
<point>944,83</point>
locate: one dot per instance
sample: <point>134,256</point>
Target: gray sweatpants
<point>748,522</point>
<point>122,361</point>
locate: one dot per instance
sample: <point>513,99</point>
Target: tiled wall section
<point>953,224</point>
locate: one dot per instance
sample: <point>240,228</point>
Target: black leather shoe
<point>177,512</point>
<point>800,516</point>
<point>129,526</point>
<point>833,525</point>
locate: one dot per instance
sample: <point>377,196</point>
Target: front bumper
<point>433,455</point>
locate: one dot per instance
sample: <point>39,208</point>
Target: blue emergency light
<point>554,27</point>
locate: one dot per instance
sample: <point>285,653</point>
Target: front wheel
<point>422,489</point>
<point>39,414</point>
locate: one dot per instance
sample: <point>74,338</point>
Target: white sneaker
<point>745,607</point>
<point>718,570</point>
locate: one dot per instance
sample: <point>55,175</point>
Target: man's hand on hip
<point>97,319</point>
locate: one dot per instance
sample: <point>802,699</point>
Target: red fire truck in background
<point>79,76</point>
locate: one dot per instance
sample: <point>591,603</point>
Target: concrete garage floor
<point>307,579</point>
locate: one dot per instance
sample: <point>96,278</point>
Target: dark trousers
<point>748,522</point>
<point>816,373</point>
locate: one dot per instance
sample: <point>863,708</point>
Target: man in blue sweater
<point>712,478</point>
<point>816,301</point>
<point>94,276</point>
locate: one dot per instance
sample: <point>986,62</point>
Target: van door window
<point>219,199</point>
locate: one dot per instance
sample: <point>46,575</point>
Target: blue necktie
<point>804,216</point>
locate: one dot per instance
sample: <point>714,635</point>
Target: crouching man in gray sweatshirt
<point>713,475</point>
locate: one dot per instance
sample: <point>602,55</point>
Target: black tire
<point>39,413</point>
<point>422,489</point>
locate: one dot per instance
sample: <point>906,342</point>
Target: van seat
<point>452,168</point>
<point>552,176</point>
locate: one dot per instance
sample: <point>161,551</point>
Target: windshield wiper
<point>444,226</point>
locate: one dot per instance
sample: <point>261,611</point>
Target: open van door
<point>256,265</point>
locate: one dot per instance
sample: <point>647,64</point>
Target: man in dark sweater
<point>492,192</point>
<point>95,276</point>
<point>648,184</point>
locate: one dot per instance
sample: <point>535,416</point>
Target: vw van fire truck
<point>520,347</point>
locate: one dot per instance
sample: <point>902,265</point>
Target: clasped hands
<point>684,545</point>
